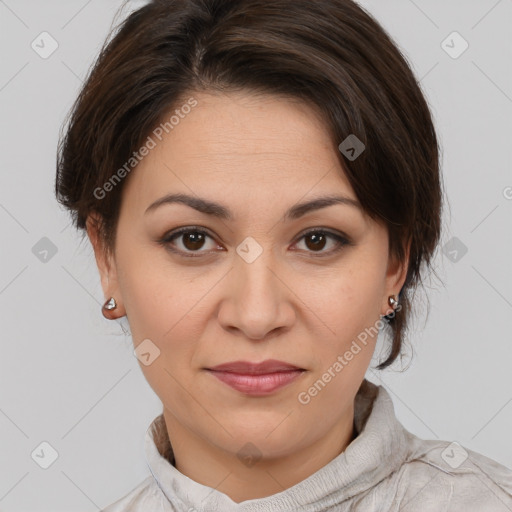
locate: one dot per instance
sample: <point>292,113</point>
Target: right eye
<point>192,239</point>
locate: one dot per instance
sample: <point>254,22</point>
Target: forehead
<point>241,143</point>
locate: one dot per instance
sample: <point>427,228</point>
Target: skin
<point>258,156</point>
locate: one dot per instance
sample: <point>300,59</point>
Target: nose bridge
<point>255,266</point>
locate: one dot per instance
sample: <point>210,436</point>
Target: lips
<point>257,379</point>
<point>269,366</point>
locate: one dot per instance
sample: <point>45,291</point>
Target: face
<point>254,283</point>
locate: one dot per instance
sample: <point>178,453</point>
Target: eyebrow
<point>219,211</point>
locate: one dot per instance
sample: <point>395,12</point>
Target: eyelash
<point>169,238</point>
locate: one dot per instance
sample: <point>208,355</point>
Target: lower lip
<point>257,384</point>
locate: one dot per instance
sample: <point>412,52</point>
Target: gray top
<point>384,469</point>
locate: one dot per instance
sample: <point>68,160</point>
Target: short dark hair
<point>331,54</point>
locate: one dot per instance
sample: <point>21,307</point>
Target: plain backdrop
<point>69,378</point>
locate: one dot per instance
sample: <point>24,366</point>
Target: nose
<point>257,300</point>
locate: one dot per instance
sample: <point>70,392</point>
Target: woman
<point>260,182</point>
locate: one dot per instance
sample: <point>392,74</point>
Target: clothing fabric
<point>384,469</point>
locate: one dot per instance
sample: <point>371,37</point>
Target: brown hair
<point>331,54</point>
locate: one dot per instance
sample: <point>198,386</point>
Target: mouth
<point>257,379</point>
<point>267,367</point>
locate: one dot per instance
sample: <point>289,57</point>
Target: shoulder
<point>146,496</point>
<point>446,476</point>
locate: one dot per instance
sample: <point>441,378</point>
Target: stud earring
<point>393,301</point>
<point>110,304</point>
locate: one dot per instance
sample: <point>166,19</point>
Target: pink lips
<point>256,378</point>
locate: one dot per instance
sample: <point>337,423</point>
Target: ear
<point>395,277</point>
<point>106,266</point>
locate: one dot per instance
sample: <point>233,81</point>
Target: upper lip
<point>248,368</point>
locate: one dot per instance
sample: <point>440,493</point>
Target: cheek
<point>151,290</point>
<point>164,316</point>
<point>347,301</point>
<point>348,310</point>
<point>162,305</point>
<point>147,309</point>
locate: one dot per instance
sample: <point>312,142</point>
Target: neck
<point>221,468</point>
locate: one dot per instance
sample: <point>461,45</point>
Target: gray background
<point>69,377</point>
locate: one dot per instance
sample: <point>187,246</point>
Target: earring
<point>110,304</point>
<point>393,301</point>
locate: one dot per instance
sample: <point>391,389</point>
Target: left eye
<point>317,240</point>
<point>193,239</point>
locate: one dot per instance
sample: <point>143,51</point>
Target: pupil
<point>195,240</point>
<point>317,243</point>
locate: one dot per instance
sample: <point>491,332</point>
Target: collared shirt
<point>384,469</point>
